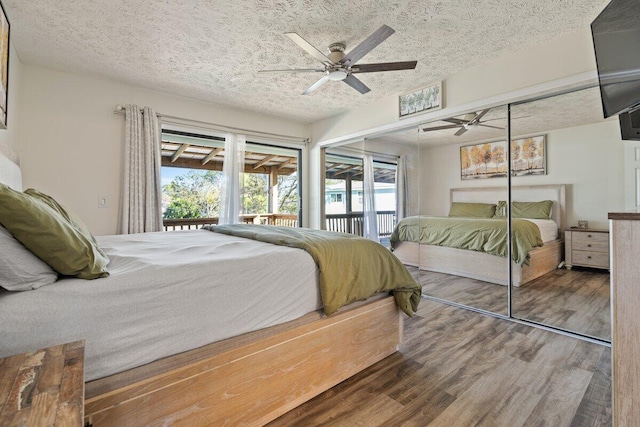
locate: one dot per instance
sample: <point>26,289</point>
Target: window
<point>192,173</point>
<point>344,194</point>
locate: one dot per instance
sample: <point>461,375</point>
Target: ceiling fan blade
<point>309,48</point>
<point>489,126</point>
<point>461,131</point>
<point>384,66</point>
<point>478,116</point>
<point>298,70</point>
<point>456,121</point>
<point>504,118</point>
<point>316,85</point>
<point>352,81</point>
<point>440,128</point>
<point>367,45</point>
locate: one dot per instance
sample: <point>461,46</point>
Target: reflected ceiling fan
<point>470,121</point>
<point>338,66</point>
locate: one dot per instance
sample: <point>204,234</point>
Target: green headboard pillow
<point>47,234</point>
<point>532,210</point>
<point>68,215</point>
<point>472,210</point>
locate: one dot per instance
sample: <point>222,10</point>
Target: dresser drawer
<point>597,242</point>
<point>590,259</point>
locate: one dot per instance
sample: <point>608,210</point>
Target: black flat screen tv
<point>616,41</point>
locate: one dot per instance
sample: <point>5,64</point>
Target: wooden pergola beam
<point>263,161</point>
<point>179,152</point>
<point>217,166</point>
<point>288,162</point>
<point>211,155</point>
<point>345,170</point>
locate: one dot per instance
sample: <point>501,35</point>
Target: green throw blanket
<point>475,234</point>
<point>351,268</point>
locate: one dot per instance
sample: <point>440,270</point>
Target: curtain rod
<point>214,126</point>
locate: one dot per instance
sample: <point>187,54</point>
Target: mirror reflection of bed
<point>583,152</point>
<point>471,243</point>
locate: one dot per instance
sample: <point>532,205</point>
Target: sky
<point>168,173</point>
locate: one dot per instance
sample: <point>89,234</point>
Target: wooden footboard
<point>478,265</point>
<point>258,381</point>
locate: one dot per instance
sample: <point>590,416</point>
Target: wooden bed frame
<point>247,380</point>
<point>251,379</point>
<point>490,268</point>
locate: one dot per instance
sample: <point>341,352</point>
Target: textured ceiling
<point>212,50</point>
<point>572,109</point>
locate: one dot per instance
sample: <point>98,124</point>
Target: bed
<point>243,369</point>
<point>487,267</point>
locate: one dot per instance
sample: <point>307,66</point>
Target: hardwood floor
<point>577,300</point>
<point>460,368</point>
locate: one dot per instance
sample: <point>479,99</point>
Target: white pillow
<point>20,269</point>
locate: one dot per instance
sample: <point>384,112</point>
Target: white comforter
<point>168,292</point>
<point>548,229</point>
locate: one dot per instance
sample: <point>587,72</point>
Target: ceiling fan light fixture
<point>337,66</point>
<point>338,75</point>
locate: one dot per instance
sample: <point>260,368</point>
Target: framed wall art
<point>528,156</point>
<point>421,100</point>
<point>488,160</point>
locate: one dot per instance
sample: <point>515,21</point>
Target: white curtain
<point>402,188</point>
<point>370,224</point>
<point>141,200</point>
<point>232,171</point>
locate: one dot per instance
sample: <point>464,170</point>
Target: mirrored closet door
<point>463,237</point>
<point>441,193</point>
<point>567,174</point>
<point>361,184</point>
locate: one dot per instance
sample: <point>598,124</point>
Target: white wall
<point>589,159</point>
<point>9,137</point>
<point>71,141</point>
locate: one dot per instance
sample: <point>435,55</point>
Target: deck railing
<point>343,223</point>
<point>352,222</point>
<point>285,220</point>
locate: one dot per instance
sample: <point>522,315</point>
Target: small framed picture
<point>421,100</point>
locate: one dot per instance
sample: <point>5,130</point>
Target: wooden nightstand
<point>44,387</point>
<point>586,248</point>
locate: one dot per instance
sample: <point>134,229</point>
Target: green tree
<point>196,193</point>
<point>288,194</point>
<point>255,193</point>
<point>182,208</point>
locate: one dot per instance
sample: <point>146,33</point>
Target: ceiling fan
<point>470,121</point>
<point>338,66</point>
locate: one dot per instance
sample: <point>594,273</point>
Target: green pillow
<point>68,215</point>
<point>49,236</point>
<point>501,209</point>
<point>472,210</point>
<point>532,210</point>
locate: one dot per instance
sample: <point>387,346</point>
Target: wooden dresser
<point>44,387</point>
<point>625,318</point>
<point>586,248</point>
